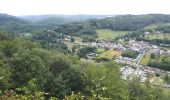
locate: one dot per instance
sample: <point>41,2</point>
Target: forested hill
<point>117,23</point>
<point>16,25</point>
<point>59,19</point>
<point>121,22</point>
<point>8,19</point>
<point>130,22</point>
<point>11,23</point>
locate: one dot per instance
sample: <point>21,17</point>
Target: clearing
<point>110,54</point>
<point>157,36</point>
<point>109,34</point>
<point>145,59</point>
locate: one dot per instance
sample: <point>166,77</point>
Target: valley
<point>90,57</point>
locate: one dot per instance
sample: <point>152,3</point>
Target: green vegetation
<point>146,58</point>
<point>162,62</point>
<point>82,53</point>
<point>44,67</point>
<point>109,34</point>
<point>151,27</point>
<point>158,80</point>
<point>164,27</point>
<point>167,78</point>
<point>130,53</point>
<point>166,91</point>
<point>157,36</point>
<point>109,54</point>
<point>30,70</point>
<point>161,39</point>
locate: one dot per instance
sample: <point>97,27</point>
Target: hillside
<point>95,59</point>
<point>76,23</point>
<point>59,19</point>
<point>130,22</point>
<point>8,19</point>
<point>12,24</point>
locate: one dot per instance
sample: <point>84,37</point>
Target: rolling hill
<point>59,19</point>
<point>8,19</point>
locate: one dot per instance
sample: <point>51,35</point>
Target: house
<point>158,32</point>
<point>146,33</point>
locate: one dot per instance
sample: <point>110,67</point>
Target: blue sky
<point>97,7</point>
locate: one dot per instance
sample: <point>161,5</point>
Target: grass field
<point>76,42</point>
<point>145,59</point>
<point>152,26</point>
<point>157,36</point>
<point>100,50</point>
<point>109,34</point>
<point>159,81</point>
<point>166,91</point>
<point>109,54</point>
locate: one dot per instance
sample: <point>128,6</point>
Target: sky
<point>94,7</point>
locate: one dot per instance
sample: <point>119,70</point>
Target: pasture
<point>145,59</point>
<point>110,54</point>
<point>157,36</point>
<point>109,34</point>
<point>151,27</point>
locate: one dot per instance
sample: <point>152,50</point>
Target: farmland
<point>109,54</point>
<point>157,36</point>
<point>109,34</point>
<point>152,26</point>
<point>145,59</point>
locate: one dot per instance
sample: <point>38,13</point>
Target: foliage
<point>130,54</point>
<point>5,74</point>
<point>51,40</point>
<point>42,67</point>
<point>146,58</point>
<point>167,78</point>
<point>162,62</point>
<point>105,81</point>
<point>144,91</point>
<point>84,51</point>
<point>26,66</point>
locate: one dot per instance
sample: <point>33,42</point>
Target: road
<point>140,56</point>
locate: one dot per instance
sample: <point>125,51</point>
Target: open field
<point>109,54</point>
<point>157,36</point>
<point>159,81</point>
<point>100,50</point>
<point>76,42</point>
<point>152,26</point>
<point>145,59</point>
<point>166,91</point>
<point>109,34</point>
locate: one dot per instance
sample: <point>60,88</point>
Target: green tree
<point>73,48</point>
<point>5,74</point>
<point>105,81</point>
<point>152,55</point>
<point>56,85</point>
<point>72,39</point>
<point>26,66</point>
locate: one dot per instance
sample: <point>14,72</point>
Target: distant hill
<point>116,23</point>
<point>130,22</point>
<point>53,20</point>
<point>75,23</point>
<point>11,23</point>
<point>8,19</point>
<point>59,19</point>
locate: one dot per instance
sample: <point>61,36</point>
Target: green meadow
<point>109,34</point>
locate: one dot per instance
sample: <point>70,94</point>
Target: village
<point>131,67</point>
